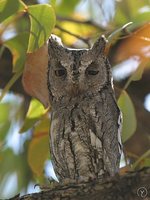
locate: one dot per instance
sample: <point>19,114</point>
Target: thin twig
<point>85,40</point>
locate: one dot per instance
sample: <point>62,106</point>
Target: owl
<point>85,119</point>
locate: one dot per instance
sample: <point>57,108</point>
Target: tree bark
<point>131,186</point>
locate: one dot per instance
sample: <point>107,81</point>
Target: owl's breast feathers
<point>84,137</point>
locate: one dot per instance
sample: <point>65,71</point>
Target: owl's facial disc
<point>77,72</point>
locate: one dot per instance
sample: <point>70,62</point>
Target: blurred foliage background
<point>24,123</point>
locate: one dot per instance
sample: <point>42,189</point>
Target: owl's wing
<point>111,132</point>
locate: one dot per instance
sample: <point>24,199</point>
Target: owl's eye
<point>92,72</point>
<point>60,72</point>
<point>92,69</point>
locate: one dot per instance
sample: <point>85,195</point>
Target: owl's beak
<point>74,88</point>
<point>75,77</point>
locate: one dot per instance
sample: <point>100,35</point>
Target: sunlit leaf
<point>8,8</point>
<point>82,30</point>
<point>38,152</point>
<point>129,117</point>
<point>35,112</point>
<point>18,46</point>
<point>36,109</point>
<point>42,19</point>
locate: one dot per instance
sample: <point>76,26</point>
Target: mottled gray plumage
<point>85,119</point>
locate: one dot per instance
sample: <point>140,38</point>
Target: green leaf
<point>143,17</point>
<point>4,120</point>
<point>4,112</point>
<point>35,112</point>
<point>53,3</point>
<point>8,8</point>
<point>42,19</point>
<point>6,170</point>
<point>120,17</point>
<point>145,156</point>
<point>129,117</point>
<point>4,128</point>
<point>18,165</point>
<point>67,7</point>
<point>128,10</point>
<point>146,163</point>
<point>38,152</point>
<point>36,109</point>
<point>18,47</point>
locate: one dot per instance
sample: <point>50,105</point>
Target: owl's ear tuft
<point>55,40</point>
<point>35,75</point>
<point>55,45</point>
<point>99,46</point>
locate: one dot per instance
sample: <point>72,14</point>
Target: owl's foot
<point>51,185</point>
<point>66,182</point>
<point>81,180</point>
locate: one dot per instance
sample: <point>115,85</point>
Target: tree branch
<point>131,186</point>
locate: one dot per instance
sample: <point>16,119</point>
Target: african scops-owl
<point>85,119</point>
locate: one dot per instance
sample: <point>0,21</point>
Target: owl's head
<point>74,72</point>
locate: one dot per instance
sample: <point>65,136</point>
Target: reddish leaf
<point>138,44</point>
